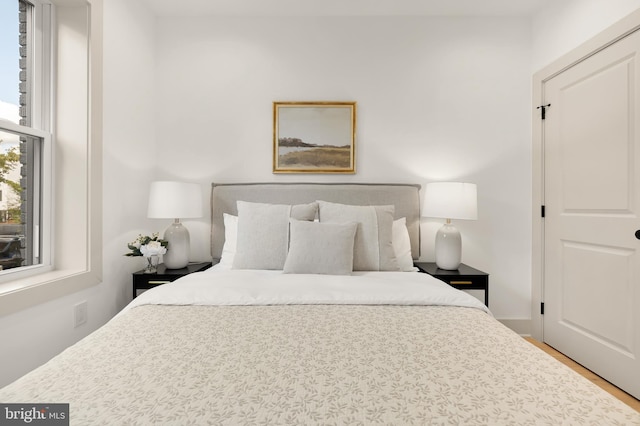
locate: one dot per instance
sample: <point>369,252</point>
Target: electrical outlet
<point>80,314</point>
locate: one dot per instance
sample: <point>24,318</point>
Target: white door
<point>592,200</point>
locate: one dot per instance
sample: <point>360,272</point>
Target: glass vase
<point>151,264</point>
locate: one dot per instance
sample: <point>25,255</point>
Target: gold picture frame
<point>314,137</point>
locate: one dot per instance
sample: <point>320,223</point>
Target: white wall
<point>129,151</point>
<point>438,99</point>
<point>564,25</point>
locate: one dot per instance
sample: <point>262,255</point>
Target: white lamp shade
<point>174,200</point>
<point>451,200</point>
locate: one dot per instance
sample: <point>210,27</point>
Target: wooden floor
<point>618,393</point>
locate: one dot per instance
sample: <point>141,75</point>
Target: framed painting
<point>314,137</point>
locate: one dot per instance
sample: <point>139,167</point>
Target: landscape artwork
<point>314,137</point>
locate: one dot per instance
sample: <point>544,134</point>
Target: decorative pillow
<point>400,239</point>
<point>402,245</point>
<point>263,233</point>
<point>373,247</point>
<point>320,248</point>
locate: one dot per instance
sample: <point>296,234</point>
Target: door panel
<point>592,184</point>
<point>589,151</point>
<point>588,262</point>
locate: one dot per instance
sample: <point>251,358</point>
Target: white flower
<point>152,248</point>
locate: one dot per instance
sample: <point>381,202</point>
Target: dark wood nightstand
<point>142,281</point>
<point>464,278</point>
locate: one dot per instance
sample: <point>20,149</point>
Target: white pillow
<point>373,248</point>
<point>400,240</point>
<point>402,245</point>
<point>263,233</point>
<point>320,248</point>
<point>230,240</point>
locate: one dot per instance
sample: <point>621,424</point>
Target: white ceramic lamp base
<point>448,247</point>
<point>177,255</point>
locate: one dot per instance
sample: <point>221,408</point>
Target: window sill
<point>30,291</point>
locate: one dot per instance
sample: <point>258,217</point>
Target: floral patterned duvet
<point>307,364</point>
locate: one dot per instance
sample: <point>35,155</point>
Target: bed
<point>245,345</point>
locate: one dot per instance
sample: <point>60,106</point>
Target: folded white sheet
<point>218,286</point>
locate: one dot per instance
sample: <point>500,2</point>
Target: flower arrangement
<point>147,246</point>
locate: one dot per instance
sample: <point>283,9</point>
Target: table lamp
<point>175,200</point>
<point>450,200</point>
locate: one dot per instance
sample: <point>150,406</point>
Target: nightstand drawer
<point>463,278</point>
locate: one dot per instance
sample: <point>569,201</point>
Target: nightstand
<point>142,281</point>
<point>464,278</point>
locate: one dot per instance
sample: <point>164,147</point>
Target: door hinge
<point>542,308</point>
<point>542,212</point>
<point>543,109</point>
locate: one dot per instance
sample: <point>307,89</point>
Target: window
<point>72,261</point>
<point>25,40</point>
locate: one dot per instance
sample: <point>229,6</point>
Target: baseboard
<point>520,326</point>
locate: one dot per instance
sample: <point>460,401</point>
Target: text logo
<point>34,414</point>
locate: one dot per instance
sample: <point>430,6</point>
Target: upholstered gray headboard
<point>405,198</point>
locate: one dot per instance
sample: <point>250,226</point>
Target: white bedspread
<point>360,350</point>
<point>218,286</point>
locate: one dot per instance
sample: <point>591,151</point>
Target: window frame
<point>42,237</point>
<point>71,195</point>
<point>39,68</point>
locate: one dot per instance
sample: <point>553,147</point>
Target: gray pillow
<point>263,233</point>
<point>373,247</point>
<point>320,248</point>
